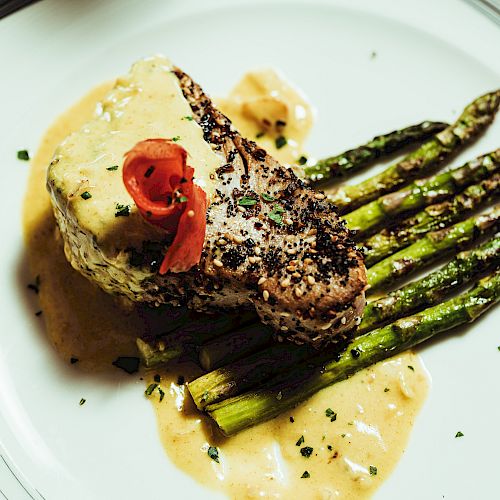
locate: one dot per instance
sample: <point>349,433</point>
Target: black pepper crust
<point>286,251</point>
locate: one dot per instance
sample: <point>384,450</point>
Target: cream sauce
<point>265,107</point>
<point>372,426</point>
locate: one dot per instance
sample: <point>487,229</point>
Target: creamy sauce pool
<point>375,409</point>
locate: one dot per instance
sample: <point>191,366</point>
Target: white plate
<point>432,58</point>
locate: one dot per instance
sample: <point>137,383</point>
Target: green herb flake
<point>150,389</point>
<point>331,414</point>
<point>330,447</point>
<point>188,118</point>
<point>112,169</point>
<point>302,160</point>
<point>86,195</point>
<point>177,138</point>
<point>280,142</point>
<point>276,215</point>
<point>343,435</point>
<point>306,452</point>
<point>411,368</point>
<point>459,434</point>
<point>162,394</point>
<point>122,210</point>
<point>213,453</point>
<point>182,199</point>
<point>247,201</point>
<point>23,155</point>
<point>300,441</point>
<point>82,401</point>
<point>149,171</point>
<point>267,197</point>
<point>306,475</point>
<point>386,389</point>
<point>373,470</point>
<point>498,347</point>
<point>260,134</point>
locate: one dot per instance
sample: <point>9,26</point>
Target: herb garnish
<point>39,313</point>
<point>302,160</point>
<point>150,389</point>
<point>331,414</point>
<point>373,470</point>
<point>386,389</point>
<point>162,393</point>
<point>86,195</point>
<point>111,169</point>
<point>35,286</point>
<point>498,347</point>
<point>247,201</point>
<point>300,441</point>
<point>292,420</point>
<point>260,134</point>
<point>306,452</point>
<point>122,210</point>
<point>149,171</point>
<point>276,215</point>
<point>188,118</point>
<point>330,447</point>
<point>82,401</point>
<point>128,364</point>
<point>176,138</point>
<point>213,453</point>
<point>267,197</point>
<point>305,475</point>
<point>459,434</point>
<point>411,368</point>
<point>23,155</point>
<point>280,142</point>
<point>73,360</point>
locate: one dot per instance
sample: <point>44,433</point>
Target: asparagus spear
<point>240,412</point>
<point>382,145</point>
<point>422,192</point>
<point>431,247</point>
<point>250,371</point>
<point>228,348</point>
<point>475,118</point>
<point>432,288</point>
<point>164,348</point>
<point>437,216</point>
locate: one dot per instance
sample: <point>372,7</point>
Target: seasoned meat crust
<point>286,252</point>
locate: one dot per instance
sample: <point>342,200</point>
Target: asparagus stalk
<point>183,340</point>
<point>422,192</point>
<point>475,118</point>
<point>437,216</point>
<point>432,288</point>
<point>431,247</point>
<point>240,412</point>
<point>382,145</point>
<point>250,371</point>
<point>235,345</point>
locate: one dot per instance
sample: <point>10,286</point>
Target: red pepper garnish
<point>157,177</point>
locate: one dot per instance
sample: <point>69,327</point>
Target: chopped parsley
<point>113,168</point>
<point>302,160</point>
<point>162,394</point>
<point>280,142</point>
<point>276,215</point>
<point>306,452</point>
<point>182,199</point>
<point>330,447</point>
<point>86,195</point>
<point>176,138</point>
<point>188,118</point>
<point>498,347</point>
<point>267,197</point>
<point>149,171</point>
<point>331,414</point>
<point>300,441</point>
<point>247,201</point>
<point>386,389</point>
<point>343,435</point>
<point>82,401</point>
<point>150,389</point>
<point>128,364</point>
<point>122,210</point>
<point>411,368</point>
<point>292,420</point>
<point>373,470</point>
<point>213,453</point>
<point>260,134</point>
<point>23,155</point>
<point>459,434</point>
<point>306,475</point>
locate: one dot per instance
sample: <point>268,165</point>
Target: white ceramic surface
<point>432,58</point>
